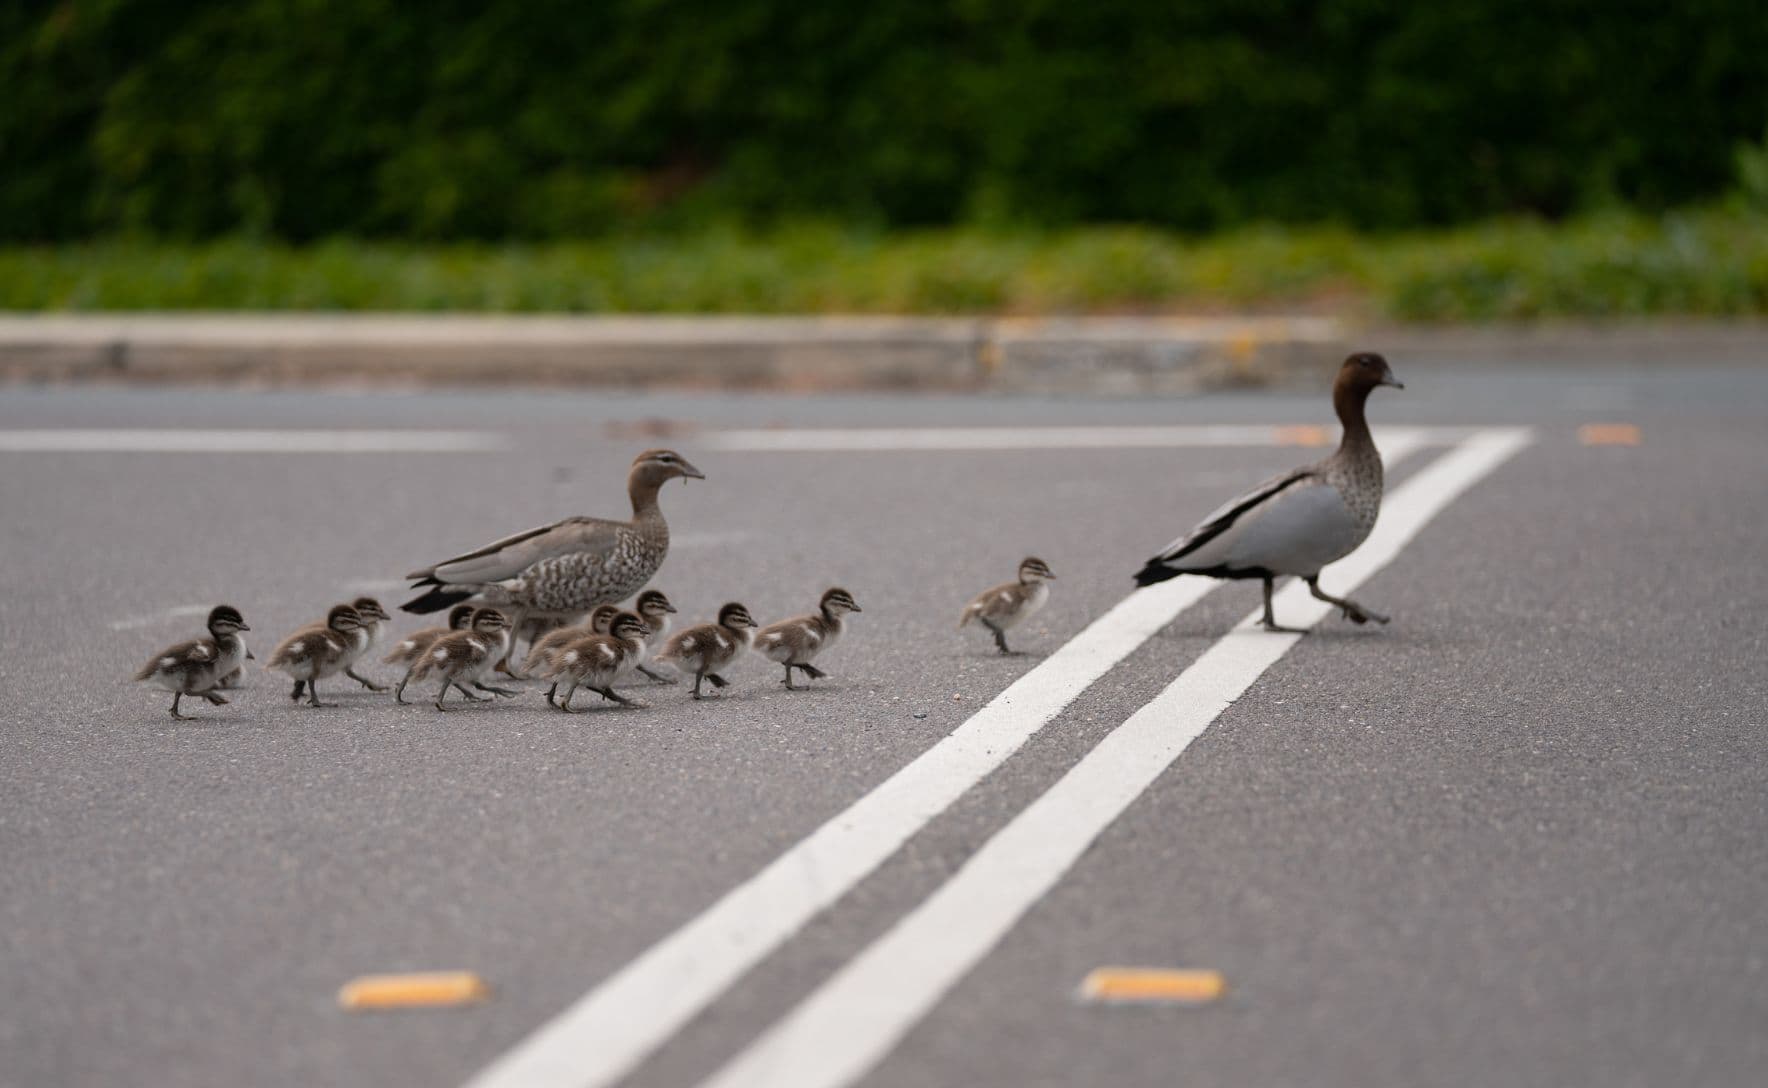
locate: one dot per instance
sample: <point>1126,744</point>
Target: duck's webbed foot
<point>1353,611</point>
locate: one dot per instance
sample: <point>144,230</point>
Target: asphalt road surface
<point>1517,837</point>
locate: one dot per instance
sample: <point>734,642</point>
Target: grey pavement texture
<point>1517,837</point>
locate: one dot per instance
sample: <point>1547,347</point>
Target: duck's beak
<point>1389,379</point>
<point>691,472</point>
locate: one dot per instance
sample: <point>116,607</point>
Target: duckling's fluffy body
<point>467,657</point>
<point>198,666</point>
<point>796,642</point>
<point>1006,606</point>
<point>709,647</point>
<point>315,653</point>
<point>599,661</point>
<point>539,661</point>
<point>408,650</point>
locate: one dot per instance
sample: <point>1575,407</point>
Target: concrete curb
<point>1095,355</point>
<point>1102,355</point>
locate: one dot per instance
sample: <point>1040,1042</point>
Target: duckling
<point>1011,603</point>
<point>375,625</point>
<point>410,648</point>
<point>654,608</point>
<point>596,661</point>
<point>600,618</point>
<point>468,656</point>
<point>794,643</point>
<point>198,666</point>
<point>313,653</point>
<point>705,649</point>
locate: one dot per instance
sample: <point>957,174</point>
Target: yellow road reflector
<point>1152,985</point>
<point>422,990</point>
<point>1303,435</point>
<point>1608,434</point>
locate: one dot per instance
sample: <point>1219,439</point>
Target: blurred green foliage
<point>1710,262</point>
<point>497,120</point>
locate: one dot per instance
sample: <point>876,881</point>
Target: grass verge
<point>1702,262</point>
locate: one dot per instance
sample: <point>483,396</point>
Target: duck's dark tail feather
<point>437,598</point>
<point>1155,571</point>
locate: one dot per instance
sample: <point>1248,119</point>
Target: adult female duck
<point>564,569</point>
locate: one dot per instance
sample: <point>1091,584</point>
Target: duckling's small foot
<point>177,695</point>
<point>610,693</point>
<point>788,680</point>
<point>300,686</point>
<point>465,694</point>
<point>813,672</point>
<point>504,667</point>
<point>507,693</point>
<point>216,700</point>
<point>717,680</point>
<point>550,692</point>
<point>364,681</point>
<point>399,693</point>
<point>657,677</point>
<point>1000,641</point>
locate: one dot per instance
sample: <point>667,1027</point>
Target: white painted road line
<point>881,440</point>
<point>56,440</point>
<point>843,1029</point>
<point>611,1029</point>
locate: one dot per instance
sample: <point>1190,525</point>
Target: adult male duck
<point>1298,522</point>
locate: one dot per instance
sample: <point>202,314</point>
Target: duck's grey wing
<point>1225,517</point>
<point>512,555</point>
<point>1295,531</point>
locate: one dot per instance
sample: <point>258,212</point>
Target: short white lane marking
<point>614,1027</point>
<point>886,439</point>
<point>59,440</point>
<point>843,1029</point>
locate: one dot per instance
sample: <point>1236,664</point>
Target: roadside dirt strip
<point>854,1019</point>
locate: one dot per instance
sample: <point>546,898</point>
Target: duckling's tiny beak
<point>857,608</point>
<point>243,627</point>
<point>250,656</point>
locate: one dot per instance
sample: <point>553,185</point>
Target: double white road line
<point>853,1020</point>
